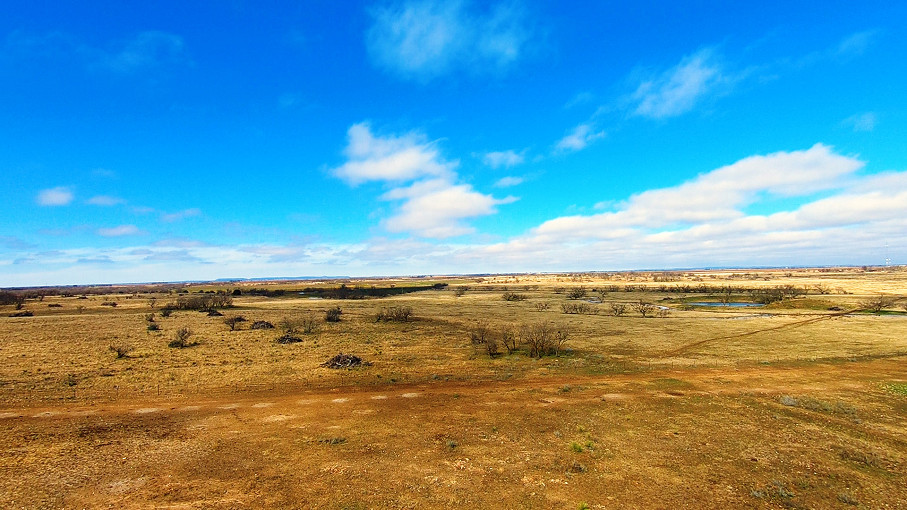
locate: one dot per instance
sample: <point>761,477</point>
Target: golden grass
<point>788,405</point>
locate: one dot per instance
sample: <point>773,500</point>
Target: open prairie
<point>621,390</point>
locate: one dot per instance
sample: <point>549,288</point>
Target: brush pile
<point>345,361</point>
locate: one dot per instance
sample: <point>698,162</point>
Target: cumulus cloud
<point>506,159</point>
<point>389,158</point>
<point>119,231</point>
<point>677,90</point>
<point>719,195</point>
<point>433,204</point>
<point>437,207</point>
<point>578,138</point>
<point>424,39</point>
<point>60,195</point>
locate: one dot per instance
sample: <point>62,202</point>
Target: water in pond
<point>729,305</point>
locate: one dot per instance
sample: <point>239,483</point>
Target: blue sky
<point>159,141</point>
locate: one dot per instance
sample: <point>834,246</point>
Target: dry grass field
<point>800,403</point>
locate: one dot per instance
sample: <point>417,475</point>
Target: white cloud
<point>122,230</point>
<point>145,50</point>
<point>436,208</point>
<point>581,136</point>
<point>506,159</point>
<point>389,158</point>
<point>863,122</point>
<point>677,90</point>
<point>506,182</point>
<point>60,195</point>
<point>425,39</point>
<point>719,195</point>
<point>180,215</point>
<point>105,201</point>
<point>857,43</point>
<point>433,203</point>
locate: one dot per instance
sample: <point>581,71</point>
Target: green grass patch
<point>897,388</point>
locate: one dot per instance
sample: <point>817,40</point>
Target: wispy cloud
<point>579,137</point>
<point>14,243</point>
<point>58,196</point>
<point>861,122</point>
<point>105,200</point>
<point>506,182</point>
<point>180,215</point>
<point>505,159</point>
<point>147,50</point>
<point>119,231</point>
<point>856,44</point>
<point>678,89</point>
<point>424,39</point>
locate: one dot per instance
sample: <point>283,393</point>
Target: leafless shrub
<point>479,333</point>
<point>394,314</point>
<point>181,338</point>
<point>662,312</point>
<point>233,321</point>
<point>510,339</point>
<point>333,314</point>
<point>121,350</point>
<point>513,296</point>
<point>577,292</point>
<point>579,308</point>
<point>559,339</point>
<point>542,306</point>
<point>618,309</point>
<point>309,325</point>
<point>538,338</point>
<point>643,308</point>
<point>149,317</point>
<point>112,304</point>
<point>460,291</point>
<point>491,346</point>
<point>289,326</point>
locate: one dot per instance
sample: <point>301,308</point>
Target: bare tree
<point>618,309</point>
<point>878,303</point>
<point>233,321</point>
<point>510,339</point>
<point>577,292</point>
<point>644,309</point>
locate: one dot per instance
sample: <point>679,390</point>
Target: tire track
<point>789,325</point>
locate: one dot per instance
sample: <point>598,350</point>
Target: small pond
<point>729,305</point>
